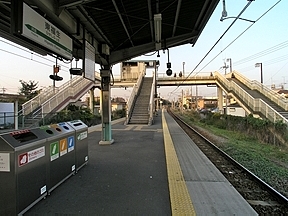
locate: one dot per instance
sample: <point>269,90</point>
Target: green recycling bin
<point>61,164</point>
<point>23,169</point>
<point>81,142</point>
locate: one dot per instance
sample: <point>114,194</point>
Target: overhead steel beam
<point>64,20</point>
<point>122,21</point>
<point>205,14</point>
<point>71,3</point>
<point>176,17</point>
<point>151,19</point>
<point>91,23</point>
<point>124,54</point>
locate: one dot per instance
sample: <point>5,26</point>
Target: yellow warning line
<point>181,203</point>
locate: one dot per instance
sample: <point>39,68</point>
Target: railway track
<point>261,196</point>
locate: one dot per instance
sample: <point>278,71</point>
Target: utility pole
<point>191,97</point>
<point>182,101</point>
<point>3,90</point>
<point>230,62</point>
<point>196,97</point>
<point>183,69</point>
<point>226,99</point>
<point>261,71</point>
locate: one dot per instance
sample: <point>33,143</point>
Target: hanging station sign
<point>38,29</point>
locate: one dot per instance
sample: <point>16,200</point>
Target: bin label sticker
<point>82,135</point>
<point>63,147</point>
<point>54,151</point>
<point>71,143</point>
<point>4,162</point>
<point>30,156</point>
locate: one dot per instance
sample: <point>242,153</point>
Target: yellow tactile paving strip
<point>181,203</point>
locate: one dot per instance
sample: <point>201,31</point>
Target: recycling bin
<point>23,169</point>
<point>81,143</point>
<point>61,153</point>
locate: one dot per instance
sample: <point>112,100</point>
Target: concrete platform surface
<point>126,178</point>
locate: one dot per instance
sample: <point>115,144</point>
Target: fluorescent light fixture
<point>157,30</point>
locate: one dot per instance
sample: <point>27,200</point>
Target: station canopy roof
<point>119,29</point>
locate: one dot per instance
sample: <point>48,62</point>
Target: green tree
<point>29,89</point>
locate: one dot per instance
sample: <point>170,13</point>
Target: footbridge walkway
<point>254,97</point>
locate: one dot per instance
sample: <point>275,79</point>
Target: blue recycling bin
<point>81,143</point>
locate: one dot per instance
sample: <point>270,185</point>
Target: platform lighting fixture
<point>261,71</point>
<point>157,30</point>
<point>169,70</point>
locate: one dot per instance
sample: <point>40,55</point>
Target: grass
<point>268,162</point>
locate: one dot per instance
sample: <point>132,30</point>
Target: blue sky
<point>268,32</point>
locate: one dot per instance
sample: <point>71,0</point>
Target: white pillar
<point>16,115</point>
<point>220,99</point>
<point>91,100</point>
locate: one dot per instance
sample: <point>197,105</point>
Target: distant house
<point>283,93</point>
<point>118,103</point>
<point>235,110</point>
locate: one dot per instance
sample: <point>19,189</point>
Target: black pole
<point>261,73</point>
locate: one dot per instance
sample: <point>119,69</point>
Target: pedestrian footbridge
<point>254,97</point>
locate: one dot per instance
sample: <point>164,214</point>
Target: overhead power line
<point>25,57</point>
<point>263,53</point>
<point>240,35</point>
<point>30,52</point>
<point>246,6</point>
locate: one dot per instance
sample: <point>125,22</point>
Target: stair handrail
<point>47,92</point>
<point>267,92</point>
<point>256,104</point>
<point>133,95</point>
<point>151,105</point>
<point>35,102</point>
<point>70,91</point>
<point>81,85</point>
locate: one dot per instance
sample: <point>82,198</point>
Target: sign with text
<point>4,162</point>
<point>71,143</point>
<point>30,156</point>
<point>89,62</point>
<point>63,146</point>
<point>54,151</point>
<point>38,29</point>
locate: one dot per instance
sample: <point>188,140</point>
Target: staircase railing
<point>267,92</point>
<point>48,92</point>
<point>55,99</point>
<point>151,106</point>
<point>257,105</point>
<point>29,106</point>
<point>72,93</point>
<point>133,95</point>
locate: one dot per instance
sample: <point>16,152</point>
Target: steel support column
<point>106,138</point>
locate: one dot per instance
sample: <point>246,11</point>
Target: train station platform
<point>148,170</point>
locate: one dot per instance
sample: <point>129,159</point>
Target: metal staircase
<point>141,109</point>
<point>53,100</point>
<point>255,97</point>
